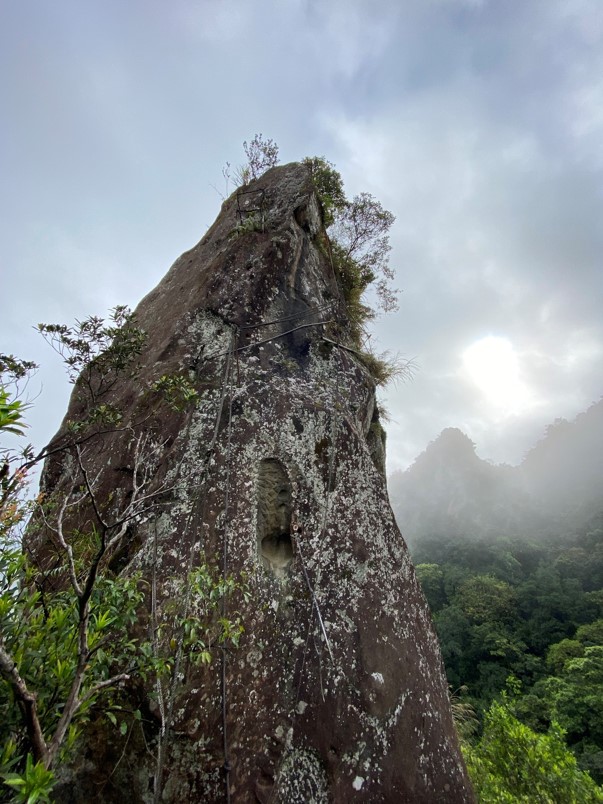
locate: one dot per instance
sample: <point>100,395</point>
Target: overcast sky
<point>478,123</point>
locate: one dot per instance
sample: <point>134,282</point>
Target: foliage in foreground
<point>512,764</point>
<point>531,609</point>
<point>73,630</point>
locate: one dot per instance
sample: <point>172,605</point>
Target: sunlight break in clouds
<point>492,364</point>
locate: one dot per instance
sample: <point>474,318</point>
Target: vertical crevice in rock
<point>275,549</point>
<point>375,438</point>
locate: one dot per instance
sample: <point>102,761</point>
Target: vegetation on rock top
<point>356,242</point>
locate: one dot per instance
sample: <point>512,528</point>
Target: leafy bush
<point>511,763</point>
<point>34,784</point>
<point>358,247</point>
<point>72,631</point>
<point>358,243</point>
<point>262,154</point>
<point>329,187</point>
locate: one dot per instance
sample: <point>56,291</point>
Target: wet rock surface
<point>337,691</point>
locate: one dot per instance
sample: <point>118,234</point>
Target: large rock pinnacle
<point>336,692</point>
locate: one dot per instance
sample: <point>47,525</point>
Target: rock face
<point>337,692</point>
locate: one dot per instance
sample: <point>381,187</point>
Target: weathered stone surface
<point>339,698</point>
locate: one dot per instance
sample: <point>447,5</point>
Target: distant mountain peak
<point>455,439</point>
<point>449,490</point>
<point>451,448</point>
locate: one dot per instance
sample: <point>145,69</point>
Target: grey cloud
<point>478,124</point>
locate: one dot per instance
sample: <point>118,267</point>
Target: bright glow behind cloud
<point>477,123</point>
<point>492,364</point>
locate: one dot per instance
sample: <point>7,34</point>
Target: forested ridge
<point>511,562</point>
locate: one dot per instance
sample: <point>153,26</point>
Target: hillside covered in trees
<point>511,561</point>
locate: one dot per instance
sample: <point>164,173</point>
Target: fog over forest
<point>510,559</point>
<point>450,490</point>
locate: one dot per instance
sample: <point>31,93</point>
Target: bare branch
<point>63,544</point>
<point>8,669</point>
<point>109,682</point>
<point>90,490</point>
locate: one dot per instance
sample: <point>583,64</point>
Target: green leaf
<point>14,780</point>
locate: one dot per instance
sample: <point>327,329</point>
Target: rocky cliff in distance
<point>337,692</point>
<point>557,488</point>
<point>450,491</point>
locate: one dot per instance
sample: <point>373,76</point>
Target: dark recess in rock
<point>274,516</point>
